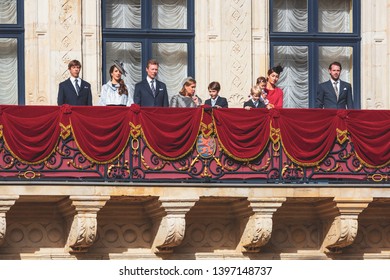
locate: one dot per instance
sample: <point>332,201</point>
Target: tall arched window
<point>11,53</point>
<point>306,36</point>
<point>137,30</point>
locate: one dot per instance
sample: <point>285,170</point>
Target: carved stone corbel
<point>5,204</point>
<point>259,226</point>
<point>81,212</point>
<point>171,230</point>
<point>344,228</point>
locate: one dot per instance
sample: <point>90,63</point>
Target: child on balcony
<point>216,101</point>
<point>255,101</point>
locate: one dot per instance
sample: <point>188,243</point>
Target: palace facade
<point>294,183</point>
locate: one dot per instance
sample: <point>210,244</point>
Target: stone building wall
<point>56,32</point>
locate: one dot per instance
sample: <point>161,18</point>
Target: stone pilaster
<point>344,227</point>
<point>81,213</point>
<point>5,204</point>
<point>259,226</point>
<point>172,226</point>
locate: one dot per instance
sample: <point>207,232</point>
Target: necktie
<point>152,87</point>
<point>336,90</point>
<point>76,83</point>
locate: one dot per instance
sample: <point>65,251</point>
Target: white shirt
<point>149,80</point>
<point>72,79</point>
<point>214,101</point>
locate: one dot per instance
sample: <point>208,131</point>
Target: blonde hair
<point>187,82</point>
<point>255,91</point>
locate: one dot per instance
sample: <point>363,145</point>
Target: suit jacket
<point>67,93</point>
<point>326,96</point>
<point>221,101</point>
<point>143,95</point>
<point>249,103</point>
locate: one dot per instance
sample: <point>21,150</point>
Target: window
<point>11,52</point>
<point>137,30</point>
<point>306,36</point>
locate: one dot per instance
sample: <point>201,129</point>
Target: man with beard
<point>335,93</point>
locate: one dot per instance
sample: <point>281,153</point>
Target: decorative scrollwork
<point>29,175</point>
<point>378,177</point>
<point>118,170</point>
<point>80,162</point>
<point>66,131</point>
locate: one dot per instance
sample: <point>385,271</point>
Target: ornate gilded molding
<point>171,230</point>
<point>6,203</point>
<point>82,212</point>
<point>258,229</point>
<point>343,230</point>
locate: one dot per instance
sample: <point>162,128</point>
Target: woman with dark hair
<point>186,96</point>
<point>274,93</point>
<point>115,91</point>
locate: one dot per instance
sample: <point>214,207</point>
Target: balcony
<point>176,145</point>
<point>178,183</point>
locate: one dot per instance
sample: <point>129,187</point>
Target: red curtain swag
<point>32,133</point>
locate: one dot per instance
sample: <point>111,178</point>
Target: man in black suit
<point>150,92</point>
<point>74,91</point>
<point>335,93</point>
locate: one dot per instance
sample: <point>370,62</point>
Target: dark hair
<point>214,86</point>
<point>74,62</point>
<point>122,87</point>
<point>335,63</point>
<point>261,79</point>
<point>151,62</point>
<point>277,69</point>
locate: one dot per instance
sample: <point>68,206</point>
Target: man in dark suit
<point>150,92</point>
<point>335,93</point>
<point>216,100</point>
<point>74,91</point>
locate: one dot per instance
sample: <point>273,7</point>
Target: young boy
<point>216,101</point>
<point>262,83</point>
<point>255,101</point>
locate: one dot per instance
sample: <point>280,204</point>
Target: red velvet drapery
<point>32,133</point>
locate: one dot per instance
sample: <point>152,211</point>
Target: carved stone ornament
<point>2,228</point>
<point>83,228</point>
<point>82,232</point>
<point>172,227</point>
<point>341,234</point>
<point>5,204</point>
<point>259,226</point>
<point>257,233</point>
<point>344,227</point>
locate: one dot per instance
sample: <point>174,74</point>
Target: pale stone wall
<point>201,221</point>
<point>375,46</point>
<point>57,32</point>
<point>231,43</point>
